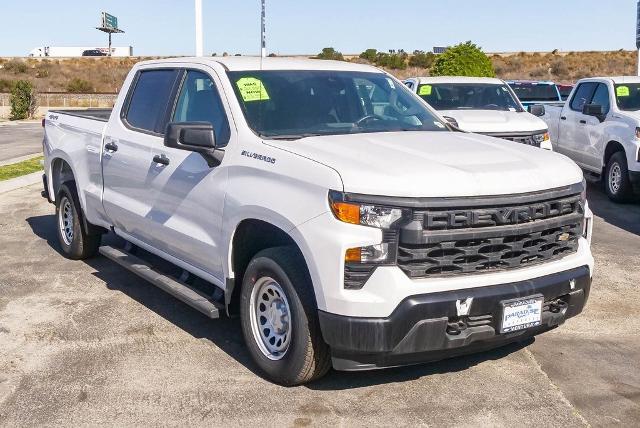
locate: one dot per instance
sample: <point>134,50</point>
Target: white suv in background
<point>484,106</point>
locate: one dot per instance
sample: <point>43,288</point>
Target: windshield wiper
<point>289,137</point>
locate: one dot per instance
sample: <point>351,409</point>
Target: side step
<point>178,289</point>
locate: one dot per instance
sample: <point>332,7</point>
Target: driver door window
<point>199,101</point>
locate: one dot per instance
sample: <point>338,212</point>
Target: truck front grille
<point>529,140</point>
<point>488,238</point>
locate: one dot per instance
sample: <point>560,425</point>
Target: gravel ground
<point>87,343</point>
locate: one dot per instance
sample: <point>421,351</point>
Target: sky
<point>166,27</point>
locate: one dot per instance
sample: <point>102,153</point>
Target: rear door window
<point>583,95</point>
<point>149,102</point>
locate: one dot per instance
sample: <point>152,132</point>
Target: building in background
<point>58,51</point>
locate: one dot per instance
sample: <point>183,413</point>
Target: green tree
<point>369,55</point>
<point>330,53</point>
<point>23,100</point>
<point>464,59</point>
<point>421,59</point>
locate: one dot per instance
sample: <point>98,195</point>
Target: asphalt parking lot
<point>87,343</point>
<point>18,140</point>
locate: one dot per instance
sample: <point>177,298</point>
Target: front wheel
<point>75,242</point>
<point>616,181</point>
<point>279,318</point>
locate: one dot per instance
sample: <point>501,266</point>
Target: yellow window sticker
<point>424,90</point>
<point>622,91</point>
<point>252,89</point>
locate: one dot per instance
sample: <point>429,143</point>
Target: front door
<point>188,194</point>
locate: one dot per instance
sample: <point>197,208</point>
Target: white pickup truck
<point>599,128</point>
<point>342,219</point>
<point>483,105</point>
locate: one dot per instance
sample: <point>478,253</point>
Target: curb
<point>18,122</point>
<point>19,159</point>
<point>18,182</point>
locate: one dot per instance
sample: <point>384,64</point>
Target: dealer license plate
<point>522,313</point>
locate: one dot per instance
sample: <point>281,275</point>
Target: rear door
<point>573,131</point>
<point>127,160</point>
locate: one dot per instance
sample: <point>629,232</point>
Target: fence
<point>65,99</point>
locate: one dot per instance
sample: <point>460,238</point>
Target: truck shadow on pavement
<point>226,334</point>
<point>624,216</point>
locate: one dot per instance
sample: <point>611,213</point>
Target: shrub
<point>6,85</point>
<point>79,86</point>
<point>369,55</point>
<point>422,59</point>
<point>16,66</point>
<point>559,68</point>
<point>330,53</point>
<point>395,60</point>
<point>464,59</point>
<point>23,101</point>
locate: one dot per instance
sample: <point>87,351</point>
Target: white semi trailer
<point>60,51</point>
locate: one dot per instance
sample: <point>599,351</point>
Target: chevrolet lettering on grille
<point>486,217</point>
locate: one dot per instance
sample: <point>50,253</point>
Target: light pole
<point>263,40</point>
<point>638,35</point>
<point>199,35</point>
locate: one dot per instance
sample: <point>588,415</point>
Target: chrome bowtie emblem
<point>463,306</point>
<point>564,237</point>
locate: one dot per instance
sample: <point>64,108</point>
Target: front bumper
<point>427,327</point>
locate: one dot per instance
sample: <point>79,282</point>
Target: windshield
<point>535,92</point>
<point>465,96</point>
<point>628,96</point>
<point>293,104</point>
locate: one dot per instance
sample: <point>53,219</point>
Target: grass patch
<point>21,168</point>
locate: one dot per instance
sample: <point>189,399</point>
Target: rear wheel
<point>75,242</point>
<point>616,179</point>
<point>279,318</point>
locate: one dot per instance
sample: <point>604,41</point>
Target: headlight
<point>363,214</point>
<point>540,138</point>
<point>361,262</point>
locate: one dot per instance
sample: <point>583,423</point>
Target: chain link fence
<point>65,99</point>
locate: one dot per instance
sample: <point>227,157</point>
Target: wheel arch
<point>611,148</point>
<point>250,236</point>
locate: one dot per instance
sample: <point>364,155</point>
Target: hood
<point>436,164</point>
<point>495,121</point>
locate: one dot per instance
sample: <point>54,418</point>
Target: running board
<point>177,289</point>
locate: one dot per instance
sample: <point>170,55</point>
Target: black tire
<point>622,190</point>
<point>78,245</point>
<point>307,356</point>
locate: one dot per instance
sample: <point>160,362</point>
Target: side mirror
<point>195,137</point>
<point>595,110</point>
<point>536,110</point>
<point>451,121</point>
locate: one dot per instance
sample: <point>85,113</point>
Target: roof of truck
<point>530,82</point>
<point>242,63</point>
<point>624,79</point>
<point>454,79</point>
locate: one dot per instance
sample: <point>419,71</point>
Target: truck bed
<point>101,114</point>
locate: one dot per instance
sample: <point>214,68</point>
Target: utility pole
<point>199,35</point>
<point>263,50</point>
<point>638,35</point>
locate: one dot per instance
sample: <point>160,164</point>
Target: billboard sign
<point>109,22</point>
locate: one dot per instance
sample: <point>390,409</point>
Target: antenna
<point>199,35</point>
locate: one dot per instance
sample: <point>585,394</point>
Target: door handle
<point>563,117</point>
<point>161,159</point>
<point>111,146</point>
<point>584,122</point>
